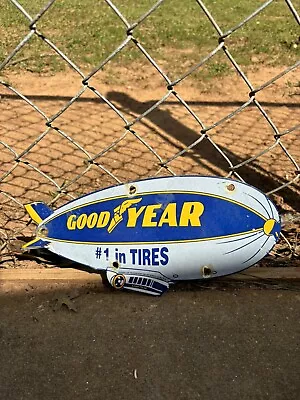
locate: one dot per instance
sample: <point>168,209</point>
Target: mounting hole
<point>115,264</point>
<point>43,231</point>
<point>230,187</point>
<point>132,190</point>
<point>206,272</point>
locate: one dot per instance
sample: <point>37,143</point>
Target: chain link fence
<point>55,148</point>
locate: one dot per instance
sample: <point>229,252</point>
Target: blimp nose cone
<point>272,227</point>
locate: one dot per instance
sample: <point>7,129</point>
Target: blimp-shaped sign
<point>148,234</point>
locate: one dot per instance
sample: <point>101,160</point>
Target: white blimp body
<point>148,234</point>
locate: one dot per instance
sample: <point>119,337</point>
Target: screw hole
<point>206,272</point>
<point>115,264</point>
<point>231,187</point>
<point>132,190</point>
<point>43,231</point>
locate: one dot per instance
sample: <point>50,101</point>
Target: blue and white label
<point>156,256</point>
<point>158,218</point>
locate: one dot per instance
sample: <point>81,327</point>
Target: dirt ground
<point>86,342</point>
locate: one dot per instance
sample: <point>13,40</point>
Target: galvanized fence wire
<point>131,126</point>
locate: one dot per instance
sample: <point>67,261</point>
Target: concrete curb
<point>69,274</point>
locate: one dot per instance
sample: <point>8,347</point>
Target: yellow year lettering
<point>191,213</point>
<point>149,215</point>
<point>133,215</point>
<point>169,215</point>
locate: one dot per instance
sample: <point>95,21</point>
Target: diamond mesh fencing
<point>56,148</point>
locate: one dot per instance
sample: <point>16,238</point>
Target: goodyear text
<point>147,216</point>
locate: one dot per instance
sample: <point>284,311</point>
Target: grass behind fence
<point>178,34</point>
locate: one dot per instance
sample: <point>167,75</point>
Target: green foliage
<point>178,33</point>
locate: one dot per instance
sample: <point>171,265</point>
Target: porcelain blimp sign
<point>153,232</point>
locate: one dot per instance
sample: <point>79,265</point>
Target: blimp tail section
<point>36,243</point>
<point>38,211</point>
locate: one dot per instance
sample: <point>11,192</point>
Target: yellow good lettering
<point>169,215</point>
<point>133,215</point>
<point>71,222</point>
<point>103,219</point>
<point>149,215</point>
<point>92,220</point>
<point>191,213</point>
<point>81,221</point>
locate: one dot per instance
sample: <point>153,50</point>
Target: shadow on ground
<point>77,342</point>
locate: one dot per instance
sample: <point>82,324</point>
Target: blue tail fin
<point>36,243</point>
<point>38,211</point>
